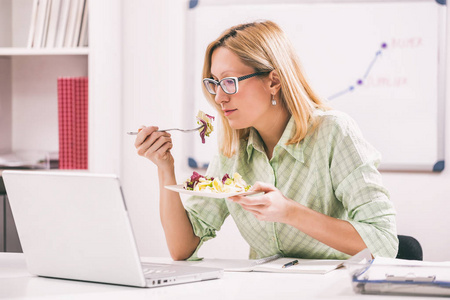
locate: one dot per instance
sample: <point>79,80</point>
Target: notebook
<point>275,264</point>
<point>75,225</point>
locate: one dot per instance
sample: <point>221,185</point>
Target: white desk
<point>17,283</point>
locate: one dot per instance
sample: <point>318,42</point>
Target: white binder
<point>399,277</point>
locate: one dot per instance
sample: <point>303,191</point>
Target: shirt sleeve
<point>206,215</point>
<point>358,185</point>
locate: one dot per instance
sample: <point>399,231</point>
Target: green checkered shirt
<point>332,171</point>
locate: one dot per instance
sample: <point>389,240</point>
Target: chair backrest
<point>409,248</point>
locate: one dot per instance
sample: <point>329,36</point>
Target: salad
<point>205,120</point>
<point>227,184</point>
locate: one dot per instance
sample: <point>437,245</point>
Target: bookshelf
<point>28,83</point>
<point>15,51</point>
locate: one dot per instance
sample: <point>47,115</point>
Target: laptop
<point>75,225</point>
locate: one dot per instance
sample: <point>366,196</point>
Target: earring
<point>274,101</point>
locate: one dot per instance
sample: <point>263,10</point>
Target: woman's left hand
<point>272,206</point>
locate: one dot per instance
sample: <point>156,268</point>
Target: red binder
<point>73,122</point>
<point>82,125</point>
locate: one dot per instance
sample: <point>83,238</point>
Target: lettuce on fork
<point>205,120</point>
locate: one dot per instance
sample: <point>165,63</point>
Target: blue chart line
<point>360,81</point>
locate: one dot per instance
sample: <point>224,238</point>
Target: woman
<point>323,196</point>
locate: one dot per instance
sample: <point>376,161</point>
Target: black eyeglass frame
<point>206,81</point>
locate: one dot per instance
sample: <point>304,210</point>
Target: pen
<point>291,263</point>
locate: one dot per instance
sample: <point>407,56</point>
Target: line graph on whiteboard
<point>362,80</point>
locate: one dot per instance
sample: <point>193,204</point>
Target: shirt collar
<point>254,142</point>
<point>295,150</point>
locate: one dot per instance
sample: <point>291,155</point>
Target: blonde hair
<point>265,47</point>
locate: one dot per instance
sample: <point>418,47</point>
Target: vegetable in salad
<point>227,184</point>
<point>205,120</point>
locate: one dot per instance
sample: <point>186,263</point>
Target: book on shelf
<point>46,22</point>
<point>78,22</point>
<point>33,23</point>
<point>84,24</point>
<point>26,159</point>
<point>85,38</point>
<point>73,122</point>
<point>58,23</point>
<point>62,23</point>
<point>71,21</point>
<point>39,28</point>
<point>53,23</point>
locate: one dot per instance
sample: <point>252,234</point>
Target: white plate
<point>179,188</point>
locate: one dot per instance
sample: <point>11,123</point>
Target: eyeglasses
<point>228,84</point>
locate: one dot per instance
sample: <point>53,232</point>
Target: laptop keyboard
<point>153,271</point>
<point>150,269</point>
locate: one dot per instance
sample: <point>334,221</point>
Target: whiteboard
<point>382,62</point>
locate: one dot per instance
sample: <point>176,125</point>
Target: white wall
<point>153,71</point>
<point>153,49</point>
<point>35,98</point>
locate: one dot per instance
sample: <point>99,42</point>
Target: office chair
<point>409,248</point>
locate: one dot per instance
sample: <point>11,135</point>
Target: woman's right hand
<point>155,146</point>
<point>180,236</point>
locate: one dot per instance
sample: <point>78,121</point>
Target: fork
<point>169,129</point>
